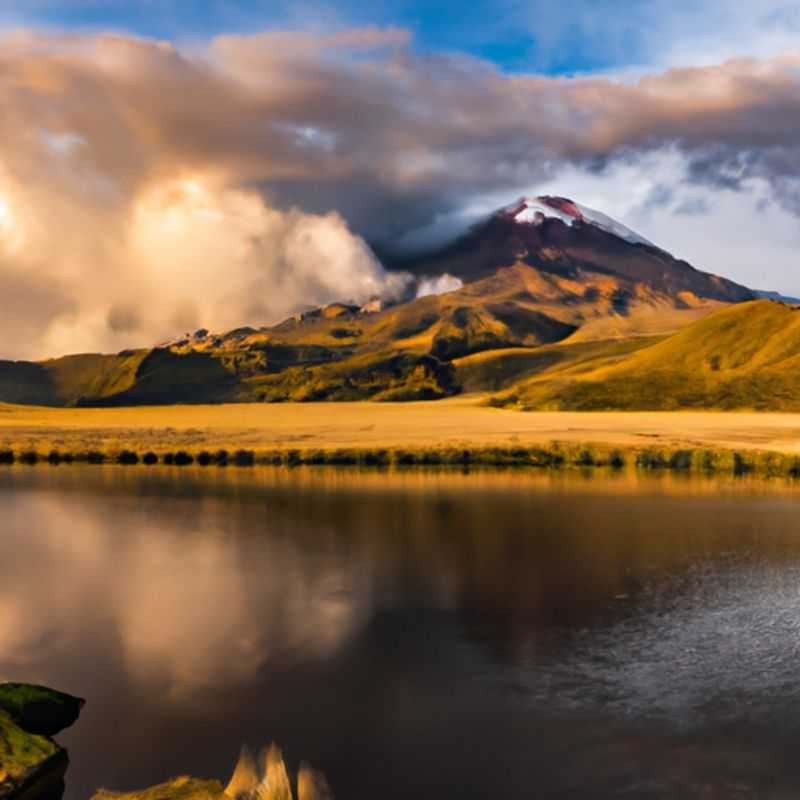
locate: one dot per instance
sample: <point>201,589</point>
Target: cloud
<point>441,284</point>
<point>742,231</point>
<point>145,189</point>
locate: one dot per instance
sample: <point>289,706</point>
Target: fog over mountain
<point>148,188</point>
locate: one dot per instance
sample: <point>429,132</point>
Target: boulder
<point>39,710</point>
<point>31,766</point>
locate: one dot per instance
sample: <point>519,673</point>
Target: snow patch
<point>609,225</point>
<point>535,210</point>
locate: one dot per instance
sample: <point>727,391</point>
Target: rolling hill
<point>746,356</point>
<point>543,282</point>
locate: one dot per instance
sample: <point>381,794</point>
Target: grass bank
<point>457,431</point>
<point>553,455</point>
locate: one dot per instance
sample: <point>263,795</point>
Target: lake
<point>413,634</point>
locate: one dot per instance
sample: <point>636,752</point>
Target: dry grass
<point>446,425</point>
<point>743,357</point>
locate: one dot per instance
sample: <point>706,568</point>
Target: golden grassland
<point>746,356</point>
<point>461,430</point>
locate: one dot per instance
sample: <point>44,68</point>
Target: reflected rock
<point>245,777</point>
<point>183,788</point>
<point>275,781</point>
<point>248,782</point>
<point>311,785</point>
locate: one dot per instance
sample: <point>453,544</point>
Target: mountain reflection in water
<point>413,634</point>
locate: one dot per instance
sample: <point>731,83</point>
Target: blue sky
<point>546,36</point>
<point>551,37</point>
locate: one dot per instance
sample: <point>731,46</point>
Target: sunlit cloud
<point>149,189</point>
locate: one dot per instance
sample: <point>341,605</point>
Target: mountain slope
<point>553,280</point>
<point>743,357</point>
<point>558,236</point>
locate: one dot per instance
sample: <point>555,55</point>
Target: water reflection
<point>185,606</point>
<point>425,634</point>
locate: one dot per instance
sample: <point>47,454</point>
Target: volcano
<point>559,236</point>
<point>542,281</point>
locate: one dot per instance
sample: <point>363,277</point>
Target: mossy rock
<point>31,766</point>
<point>183,788</point>
<point>39,710</point>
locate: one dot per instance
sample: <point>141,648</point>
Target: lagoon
<point>413,633</point>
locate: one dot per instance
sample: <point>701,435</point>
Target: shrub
<point>681,460</point>
<point>95,457</point>
<point>703,460</point>
<point>54,457</point>
<point>6,456</point>
<point>652,458</point>
<point>294,458</point>
<point>773,464</point>
<point>204,458</point>
<point>342,457</point>
<point>375,458</point>
<point>29,457</point>
<point>616,459</point>
<point>221,458</point>
<point>586,457</point>
<point>150,458</point>
<point>741,464</point>
<point>127,457</point>
<point>183,459</point>
<point>168,459</point>
<point>244,458</point>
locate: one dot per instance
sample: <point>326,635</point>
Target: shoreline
<point>459,432</point>
<point>551,456</point>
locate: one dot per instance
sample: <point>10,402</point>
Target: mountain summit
<point>536,210</point>
<point>559,236</point>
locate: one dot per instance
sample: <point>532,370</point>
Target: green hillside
<point>71,380</point>
<point>518,323</point>
<point>742,357</point>
<point>493,370</point>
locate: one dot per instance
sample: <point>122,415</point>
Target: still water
<point>423,635</point>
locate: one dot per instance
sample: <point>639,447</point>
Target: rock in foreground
<point>39,710</point>
<point>32,765</point>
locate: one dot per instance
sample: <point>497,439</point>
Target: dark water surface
<point>425,635</point>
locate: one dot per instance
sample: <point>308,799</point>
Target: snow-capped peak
<point>535,210</point>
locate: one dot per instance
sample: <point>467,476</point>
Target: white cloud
<point>743,235</point>
<point>441,284</point>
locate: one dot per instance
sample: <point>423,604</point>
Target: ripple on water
<point>720,644</point>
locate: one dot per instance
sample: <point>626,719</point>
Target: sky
<point>168,165</point>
